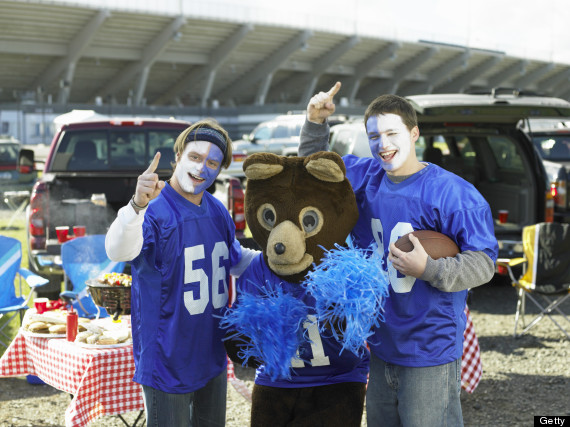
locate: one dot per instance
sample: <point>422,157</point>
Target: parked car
<point>279,136</point>
<point>17,166</point>
<point>552,140</point>
<point>91,172</point>
<point>479,138</point>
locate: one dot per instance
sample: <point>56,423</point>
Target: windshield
<point>270,131</point>
<point>9,154</point>
<point>95,150</point>
<point>553,147</point>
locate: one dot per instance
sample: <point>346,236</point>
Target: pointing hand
<point>322,105</point>
<point>148,184</point>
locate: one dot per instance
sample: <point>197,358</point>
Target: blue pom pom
<point>271,320</point>
<point>349,287</point>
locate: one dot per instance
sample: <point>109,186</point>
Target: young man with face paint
<point>182,247</point>
<point>415,364</point>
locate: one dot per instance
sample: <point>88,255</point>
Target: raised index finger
<point>153,165</point>
<point>334,90</point>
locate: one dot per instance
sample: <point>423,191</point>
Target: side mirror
<point>26,161</point>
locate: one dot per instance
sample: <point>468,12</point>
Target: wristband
<point>136,207</point>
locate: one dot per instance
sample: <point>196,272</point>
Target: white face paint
<point>390,140</point>
<point>198,166</point>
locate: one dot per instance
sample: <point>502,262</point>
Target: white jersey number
<point>219,285</point>
<point>399,284</point>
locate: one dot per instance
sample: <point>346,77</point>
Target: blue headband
<point>210,135</point>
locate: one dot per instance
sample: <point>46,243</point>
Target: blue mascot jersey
<point>424,326</point>
<point>320,362</point>
<point>180,286</point>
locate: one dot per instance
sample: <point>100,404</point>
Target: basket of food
<point>112,291</point>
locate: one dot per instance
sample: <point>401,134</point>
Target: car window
<point>127,149</point>
<point>553,147</point>
<point>82,151</point>
<point>281,131</point>
<point>120,150</point>
<point>506,153</point>
<point>9,154</point>
<point>296,130</point>
<point>361,146</point>
<point>262,133</point>
<point>163,141</point>
<point>343,142</point>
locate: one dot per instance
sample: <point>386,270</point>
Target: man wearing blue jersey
<point>415,366</point>
<point>182,246</point>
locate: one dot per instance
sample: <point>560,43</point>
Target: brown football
<point>437,245</point>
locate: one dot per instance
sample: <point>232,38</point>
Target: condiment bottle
<point>72,324</point>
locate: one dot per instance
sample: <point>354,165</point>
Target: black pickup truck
<point>91,172</point>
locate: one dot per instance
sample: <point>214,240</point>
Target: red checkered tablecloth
<point>471,366</point>
<point>99,379</point>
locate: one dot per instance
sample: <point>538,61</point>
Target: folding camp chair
<point>84,258</point>
<point>10,259</point>
<point>545,278</point>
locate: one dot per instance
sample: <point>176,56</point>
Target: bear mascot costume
<point>299,210</point>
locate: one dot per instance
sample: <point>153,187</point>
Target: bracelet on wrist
<point>136,207</point>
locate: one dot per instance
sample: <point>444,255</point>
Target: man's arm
<point>466,270</point>
<point>124,240</point>
<point>314,138</point>
<point>247,256</point>
<point>315,131</point>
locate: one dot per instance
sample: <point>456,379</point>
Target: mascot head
<point>295,207</point>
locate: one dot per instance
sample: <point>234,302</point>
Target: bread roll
<point>92,339</point>
<point>57,329</point>
<point>38,327</point>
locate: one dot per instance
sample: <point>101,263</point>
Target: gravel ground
<point>522,377</point>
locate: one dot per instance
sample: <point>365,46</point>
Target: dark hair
<point>392,104</point>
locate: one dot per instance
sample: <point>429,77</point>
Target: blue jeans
<point>205,407</point>
<point>403,396</point>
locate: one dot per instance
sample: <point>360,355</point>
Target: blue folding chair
<point>10,259</point>
<point>82,259</point>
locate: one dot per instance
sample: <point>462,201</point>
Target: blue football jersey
<point>424,326</point>
<point>180,286</point>
<point>321,363</point>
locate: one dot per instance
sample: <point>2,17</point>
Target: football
<point>437,245</point>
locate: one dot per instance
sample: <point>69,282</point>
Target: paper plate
<point>37,335</point>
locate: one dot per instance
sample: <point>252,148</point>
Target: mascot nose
<point>279,248</point>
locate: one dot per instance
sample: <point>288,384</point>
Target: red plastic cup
<point>62,233</point>
<point>41,305</point>
<point>503,216</point>
<point>79,230</point>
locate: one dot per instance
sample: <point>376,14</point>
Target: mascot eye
<point>310,221</point>
<point>267,216</point>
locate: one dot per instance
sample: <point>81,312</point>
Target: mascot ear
<point>262,166</point>
<point>326,166</point>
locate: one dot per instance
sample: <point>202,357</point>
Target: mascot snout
<point>286,249</point>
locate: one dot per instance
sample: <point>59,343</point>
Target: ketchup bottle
<point>72,324</point>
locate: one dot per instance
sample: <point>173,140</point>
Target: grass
<point>17,231</point>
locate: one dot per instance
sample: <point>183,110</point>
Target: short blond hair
<point>208,123</point>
